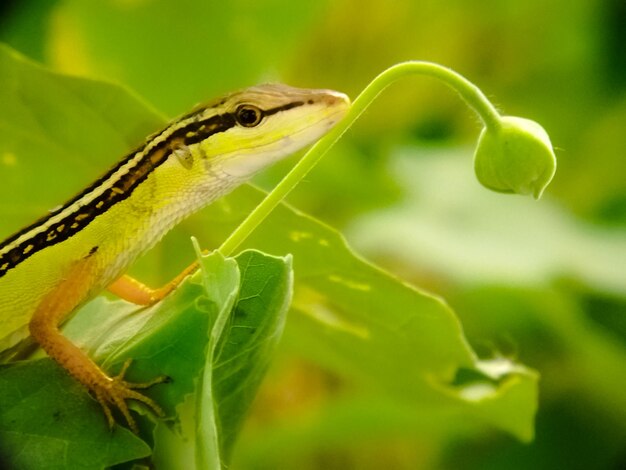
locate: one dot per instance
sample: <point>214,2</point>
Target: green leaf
<point>214,344</point>
<point>239,350</point>
<point>350,317</point>
<point>208,439</point>
<point>363,323</point>
<point>48,421</point>
<point>248,344</point>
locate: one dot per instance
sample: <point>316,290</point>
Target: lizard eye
<point>248,115</point>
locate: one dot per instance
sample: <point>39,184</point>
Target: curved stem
<point>468,91</point>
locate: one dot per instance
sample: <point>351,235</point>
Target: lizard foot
<point>115,391</point>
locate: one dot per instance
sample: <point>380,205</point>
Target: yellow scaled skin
<point>44,289</point>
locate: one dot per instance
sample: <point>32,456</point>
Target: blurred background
<point>541,282</point>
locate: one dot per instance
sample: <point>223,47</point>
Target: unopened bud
<point>515,158</point>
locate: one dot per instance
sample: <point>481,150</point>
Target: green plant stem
<point>468,91</point>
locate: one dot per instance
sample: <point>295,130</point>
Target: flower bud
<point>515,158</point>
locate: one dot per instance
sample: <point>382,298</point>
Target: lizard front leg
<point>44,328</point>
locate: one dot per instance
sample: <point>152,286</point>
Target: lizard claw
<point>114,391</point>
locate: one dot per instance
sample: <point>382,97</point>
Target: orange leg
<point>44,328</point>
<point>132,290</point>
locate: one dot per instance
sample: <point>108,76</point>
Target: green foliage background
<point>543,283</point>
